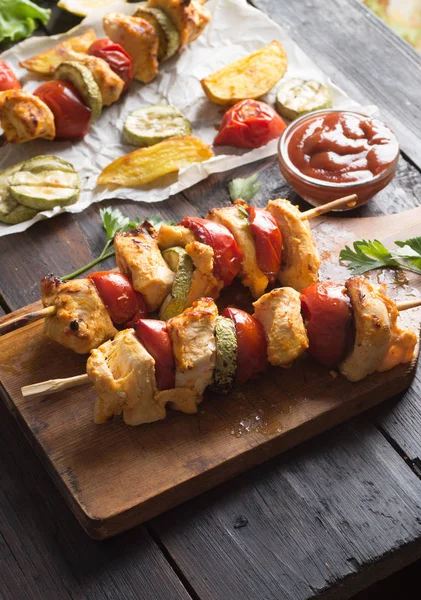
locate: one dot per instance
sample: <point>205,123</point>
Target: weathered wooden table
<point>324,520</point>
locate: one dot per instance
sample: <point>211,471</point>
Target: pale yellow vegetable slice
<point>82,8</point>
<point>147,164</point>
<point>249,77</point>
<point>46,62</point>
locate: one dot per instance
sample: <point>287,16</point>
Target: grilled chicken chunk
<point>109,83</point>
<point>189,17</point>
<point>138,256</point>
<point>139,39</point>
<point>204,283</point>
<point>81,321</point>
<point>279,311</point>
<point>123,374</point>
<point>174,235</point>
<point>251,275</point>
<point>25,117</point>
<point>300,259</point>
<point>193,340</point>
<point>380,344</point>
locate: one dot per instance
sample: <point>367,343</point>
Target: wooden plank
<point>284,407</point>
<point>45,555</point>
<point>335,34</point>
<point>321,521</point>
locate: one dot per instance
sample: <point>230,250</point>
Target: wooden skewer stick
<point>345,202</point>
<point>57,385</point>
<point>26,319</point>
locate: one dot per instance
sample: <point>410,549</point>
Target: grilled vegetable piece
<point>147,164</point>
<point>168,36</point>
<point>24,117</point>
<point>47,162</point>
<point>180,262</point>
<point>238,224</point>
<point>46,62</point>
<point>81,321</point>
<point>296,97</point>
<point>250,77</point>
<point>109,83</point>
<point>153,124</point>
<point>82,79</point>
<point>123,374</point>
<point>373,330</point>
<point>188,16</point>
<point>138,256</point>
<point>279,311</point>
<point>139,39</point>
<point>193,340</point>
<point>226,355</point>
<point>45,189</point>
<point>11,212</point>
<point>300,258</point>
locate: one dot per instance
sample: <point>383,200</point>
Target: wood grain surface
<point>111,492</point>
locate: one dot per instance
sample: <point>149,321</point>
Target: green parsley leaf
<point>156,221</point>
<point>113,221</point>
<point>374,255</point>
<point>246,189</point>
<point>242,211</point>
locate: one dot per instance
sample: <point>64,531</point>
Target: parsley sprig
<point>246,189</point>
<point>114,222</point>
<point>368,255</point>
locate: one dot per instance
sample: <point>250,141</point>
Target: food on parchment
<point>181,263</point>
<point>147,164</point>
<point>296,97</point>
<point>109,83</point>
<point>24,117</point>
<point>139,257</point>
<point>300,259</point>
<point>249,124</point>
<point>152,124</point>
<point>189,17</point>
<point>139,39</point>
<point>47,62</point>
<point>226,355</point>
<point>8,80</point>
<point>119,60</point>
<point>56,185</point>
<point>168,36</point>
<point>82,79</point>
<point>71,115</point>
<point>11,212</point>
<point>250,77</point>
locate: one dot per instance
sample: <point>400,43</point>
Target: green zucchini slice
<point>180,262</point>
<point>226,355</point>
<point>81,77</point>
<point>169,38</point>
<point>152,124</point>
<point>296,97</point>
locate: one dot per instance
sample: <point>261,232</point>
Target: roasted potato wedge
<point>46,62</point>
<point>139,39</point>
<point>250,77</point>
<point>188,16</point>
<point>147,164</point>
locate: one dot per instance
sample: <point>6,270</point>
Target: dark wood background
<point>326,519</point>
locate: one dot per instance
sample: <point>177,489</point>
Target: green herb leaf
<point>242,211</point>
<point>367,255</point>
<point>19,18</point>
<point>156,221</point>
<point>113,221</point>
<point>410,251</point>
<point>246,189</point>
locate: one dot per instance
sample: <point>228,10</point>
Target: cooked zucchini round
<point>226,355</point>
<point>45,189</point>
<point>47,163</point>
<point>80,76</point>
<point>11,212</point>
<point>153,124</point>
<point>169,38</point>
<point>180,262</point>
<point>296,97</point>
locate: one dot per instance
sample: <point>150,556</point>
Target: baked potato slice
<point>188,16</point>
<point>147,164</point>
<point>139,39</point>
<point>249,77</point>
<point>46,62</point>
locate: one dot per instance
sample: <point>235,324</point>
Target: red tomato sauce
<point>342,147</point>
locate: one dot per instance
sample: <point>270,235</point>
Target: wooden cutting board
<point>115,476</point>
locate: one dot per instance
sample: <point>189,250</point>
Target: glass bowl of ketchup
<point>331,153</point>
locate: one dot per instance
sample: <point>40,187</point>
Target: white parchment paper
<point>236,29</point>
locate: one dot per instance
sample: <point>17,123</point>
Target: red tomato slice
<point>119,60</point>
<point>227,255</point>
<point>249,124</point>
<point>72,117</point>
<point>268,241</point>
<point>118,295</point>
<point>327,311</point>
<point>8,80</point>
<point>156,340</point>
<point>251,341</point>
